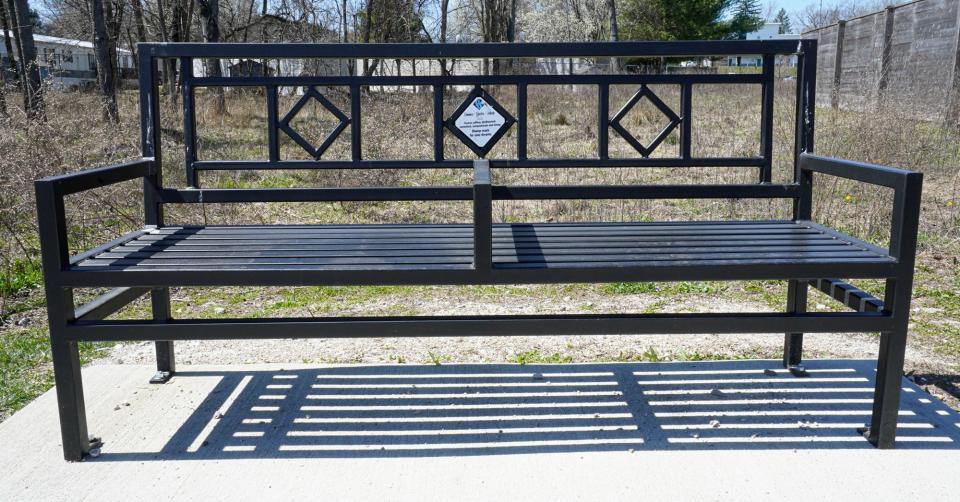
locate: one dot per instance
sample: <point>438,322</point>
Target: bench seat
<point>787,247</point>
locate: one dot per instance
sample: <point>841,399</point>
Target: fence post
<point>885,53</point>
<point>837,65</point>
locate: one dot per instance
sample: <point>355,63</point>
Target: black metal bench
<point>799,251</point>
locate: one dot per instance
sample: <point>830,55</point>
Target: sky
<point>792,5</point>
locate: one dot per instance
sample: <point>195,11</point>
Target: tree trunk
<point>27,52</point>
<point>5,26</point>
<point>141,29</point>
<point>343,19</point>
<point>105,65</point>
<point>3,94</point>
<point>614,32</point>
<point>444,8</point>
<point>169,65</point>
<point>210,28</point>
<point>5,19</point>
<point>113,16</point>
<point>367,68</point>
<point>3,90</point>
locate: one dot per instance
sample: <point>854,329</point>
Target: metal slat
<point>458,251</point>
<point>463,274</point>
<point>466,245</point>
<point>513,229</point>
<point>532,258</point>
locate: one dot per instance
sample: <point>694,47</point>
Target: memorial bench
<point>797,250</point>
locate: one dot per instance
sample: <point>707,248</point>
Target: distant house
<point>271,28</point>
<point>768,31</point>
<point>69,64</point>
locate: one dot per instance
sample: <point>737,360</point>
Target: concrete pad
<point>693,431</point>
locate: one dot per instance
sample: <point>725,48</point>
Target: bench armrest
<point>907,187</point>
<point>482,216</point>
<point>51,217</point>
<point>87,179</point>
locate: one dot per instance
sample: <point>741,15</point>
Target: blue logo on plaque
<point>478,104</point>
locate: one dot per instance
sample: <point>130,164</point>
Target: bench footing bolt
<point>161,377</point>
<point>798,370</point>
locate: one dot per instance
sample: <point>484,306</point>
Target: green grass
<point>535,357</point>
<point>20,275</point>
<point>25,370</point>
<point>629,288</point>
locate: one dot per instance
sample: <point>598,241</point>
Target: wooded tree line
<point>111,24</point>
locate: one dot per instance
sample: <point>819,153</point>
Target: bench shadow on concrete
<point>462,409</point>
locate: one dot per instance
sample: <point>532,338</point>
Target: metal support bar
<point>766,119</point>
<point>356,147</point>
<point>438,123</point>
<point>423,326</point>
<point>241,165</point>
<point>686,117</point>
<point>273,141</point>
<point>108,303</point>
<point>499,192</point>
<point>166,361</point>
<point>793,341</point>
<point>189,121</point>
<point>849,295</point>
<point>151,139</point>
<point>482,217</point>
<point>483,80</point>
<point>473,50</point>
<point>522,121</point>
<point>603,122</point>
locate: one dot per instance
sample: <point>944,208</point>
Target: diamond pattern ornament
<point>479,122</point>
<point>313,94</point>
<point>645,92</point>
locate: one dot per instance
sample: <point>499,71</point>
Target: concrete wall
<point>918,73</point>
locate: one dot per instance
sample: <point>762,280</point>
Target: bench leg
<point>66,374</point>
<point>886,396</point>
<point>793,342</point>
<point>166,361</point>
<point>73,417</point>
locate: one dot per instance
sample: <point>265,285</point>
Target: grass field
<point>396,124</point>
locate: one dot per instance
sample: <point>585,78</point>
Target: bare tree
<point>819,15</point>
<point>614,32</point>
<point>106,74</point>
<point>139,25</point>
<point>5,25</point>
<point>27,55</point>
<point>210,28</point>
<point>444,13</point>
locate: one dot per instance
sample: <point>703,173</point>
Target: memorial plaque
<point>479,122</point>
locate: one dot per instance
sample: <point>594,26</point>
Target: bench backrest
<point>480,122</point>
